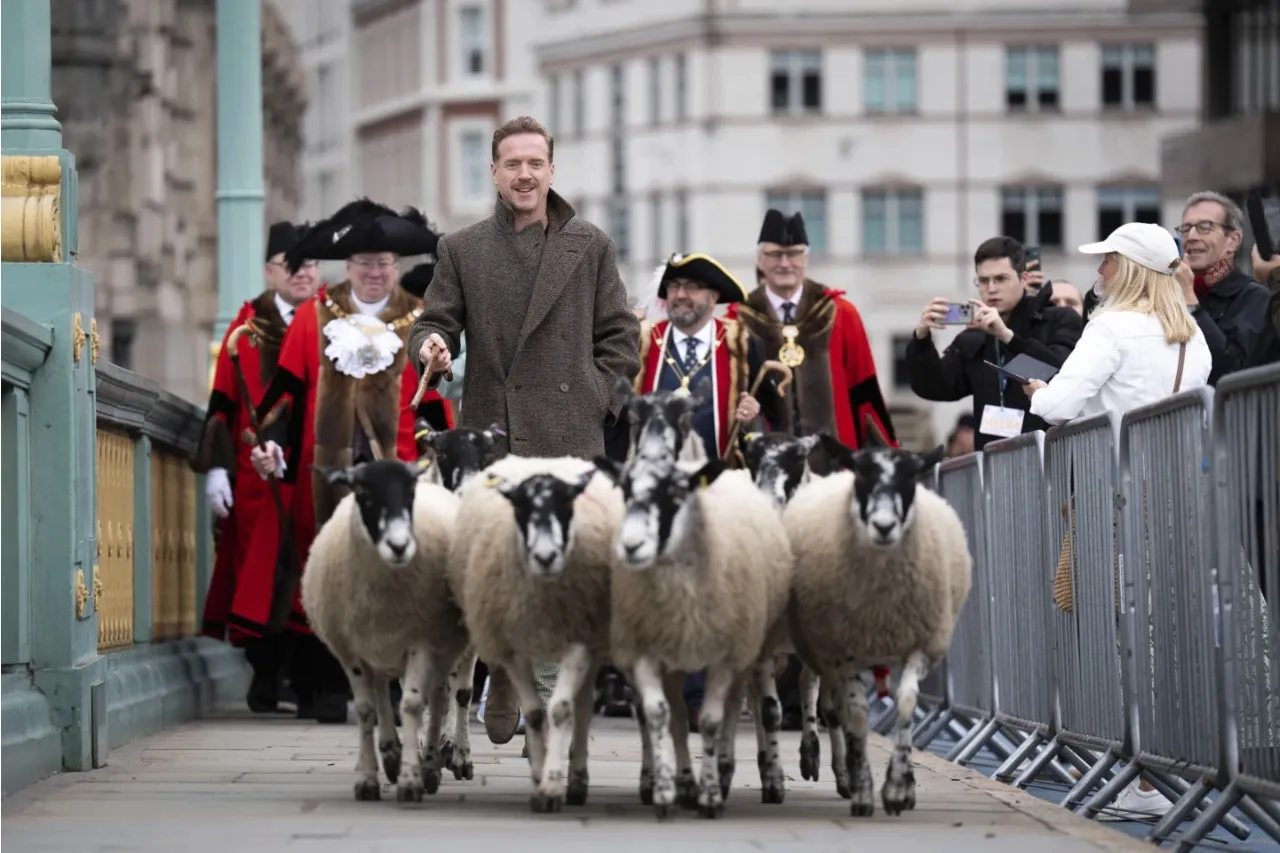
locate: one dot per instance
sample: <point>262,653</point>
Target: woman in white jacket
<point>1141,345</point>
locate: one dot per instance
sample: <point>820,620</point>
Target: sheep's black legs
<point>725,746</point>
<point>455,742</point>
<point>579,778</point>
<point>710,719</point>
<point>535,728</point>
<point>646,752</point>
<point>575,666</point>
<point>768,713</point>
<point>899,791</point>
<point>810,746</point>
<point>835,713</point>
<point>361,678</point>
<point>862,785</point>
<point>388,738</point>
<point>647,679</point>
<point>686,783</point>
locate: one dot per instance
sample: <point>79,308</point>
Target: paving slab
<point>251,783</point>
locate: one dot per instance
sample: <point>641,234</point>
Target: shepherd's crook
<point>765,369</point>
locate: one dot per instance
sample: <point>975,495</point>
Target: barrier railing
<point>1121,575</point>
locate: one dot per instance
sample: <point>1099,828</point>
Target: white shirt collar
<point>776,301</point>
<point>286,310</point>
<point>371,308</point>
<point>705,336</point>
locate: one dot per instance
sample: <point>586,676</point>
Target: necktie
<point>690,355</point>
<point>288,317</point>
<point>788,309</point>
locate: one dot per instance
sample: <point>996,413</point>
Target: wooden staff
<point>422,386</point>
<point>282,600</point>
<point>765,369</point>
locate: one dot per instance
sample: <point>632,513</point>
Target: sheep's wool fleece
<point>852,602</point>
<point>714,599</point>
<point>364,609</point>
<point>507,609</point>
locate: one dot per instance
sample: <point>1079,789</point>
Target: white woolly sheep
<point>531,569</point>
<point>376,591</point>
<point>701,576</point>
<point>882,569</point>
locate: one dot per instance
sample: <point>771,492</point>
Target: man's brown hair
<point>523,124</point>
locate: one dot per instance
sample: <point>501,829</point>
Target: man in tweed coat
<point>549,331</point>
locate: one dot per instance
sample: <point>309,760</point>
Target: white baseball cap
<point>1141,242</point>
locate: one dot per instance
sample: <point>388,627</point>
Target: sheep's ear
<point>707,474</point>
<point>611,468</point>
<point>423,435</point>
<point>584,479</point>
<point>809,443</point>
<point>932,457</point>
<point>874,441</point>
<point>338,476</point>
<point>505,487</point>
<point>745,439</point>
<point>422,467</point>
<point>840,455</point>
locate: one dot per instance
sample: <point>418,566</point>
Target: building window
<point>812,205</point>
<point>901,375</point>
<point>1128,76</point>
<point>474,164</point>
<point>682,88</point>
<point>893,222</point>
<point>889,80</point>
<point>620,227</point>
<point>682,221</point>
<point>1118,205</point>
<point>473,39</point>
<point>796,81</point>
<point>123,332</point>
<point>655,91</point>
<point>656,246</point>
<point>553,103</point>
<point>1031,78</point>
<point>1032,215</point>
<point>579,104</point>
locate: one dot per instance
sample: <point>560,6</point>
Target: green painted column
<point>42,282</point>
<point>241,194</point>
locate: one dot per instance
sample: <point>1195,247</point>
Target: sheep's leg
<point>388,738</point>
<point>835,715</point>
<point>575,664</point>
<point>520,670</point>
<point>457,755</point>
<point>361,677</point>
<point>768,725</point>
<point>810,746</point>
<point>899,791</point>
<point>646,753</point>
<point>647,679</point>
<point>727,745</point>
<point>710,720</point>
<point>579,778</point>
<point>863,789</point>
<point>412,704</point>
<point>686,782</point>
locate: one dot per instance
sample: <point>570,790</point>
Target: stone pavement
<point>244,784</point>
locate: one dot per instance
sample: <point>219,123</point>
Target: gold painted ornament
<point>791,353</point>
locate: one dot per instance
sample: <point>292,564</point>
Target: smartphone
<point>1029,254</point>
<point>1264,221</point>
<point>958,314</point>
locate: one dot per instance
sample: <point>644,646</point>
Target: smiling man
<point>549,331</point>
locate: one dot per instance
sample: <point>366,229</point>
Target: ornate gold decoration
<point>791,353</point>
<point>82,595</point>
<point>97,587</point>
<point>93,340</point>
<point>394,326</point>
<point>78,337</point>
<point>30,213</point>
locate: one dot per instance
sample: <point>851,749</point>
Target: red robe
<point>227,416</point>
<point>319,428</point>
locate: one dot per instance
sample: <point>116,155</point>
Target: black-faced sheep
<point>531,566</point>
<point>376,591</point>
<point>882,569</point>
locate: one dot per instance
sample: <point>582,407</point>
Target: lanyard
<point>1004,380</point>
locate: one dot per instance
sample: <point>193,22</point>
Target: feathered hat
<point>364,226</point>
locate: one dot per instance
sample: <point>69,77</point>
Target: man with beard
<point>235,493</point>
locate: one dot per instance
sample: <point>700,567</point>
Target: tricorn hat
<point>785,231</point>
<point>364,226</point>
<point>704,269</point>
<point>282,236</point>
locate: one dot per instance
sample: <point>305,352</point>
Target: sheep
<point>531,569</point>
<point>376,591</point>
<point>778,462</point>
<point>882,569</point>
<point>701,577</point>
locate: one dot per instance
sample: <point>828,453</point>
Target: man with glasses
<point>235,493</point>
<point>345,381</point>
<point>1229,306</point>
<point>1006,321</point>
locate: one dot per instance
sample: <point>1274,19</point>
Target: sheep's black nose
<point>397,548</point>
<point>631,549</point>
<point>883,529</point>
<point>545,560</point>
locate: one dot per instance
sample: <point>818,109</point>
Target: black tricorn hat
<point>704,269</point>
<point>783,230</point>
<point>282,236</point>
<point>364,226</point>
<point>415,281</point>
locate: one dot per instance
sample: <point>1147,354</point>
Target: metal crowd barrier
<point>1119,607</point>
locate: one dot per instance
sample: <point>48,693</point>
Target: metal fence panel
<point>1081,460</point>
<point>969,661</point>
<point>933,688</point>
<point>1020,580</point>
<point>1167,577</point>
<point>1247,478</point>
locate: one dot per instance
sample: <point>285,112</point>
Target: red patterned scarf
<point>1205,281</point>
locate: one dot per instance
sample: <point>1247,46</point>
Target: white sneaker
<point>1136,804</point>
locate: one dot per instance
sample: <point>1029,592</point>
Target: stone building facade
<point>133,81</point>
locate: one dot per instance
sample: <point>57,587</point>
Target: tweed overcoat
<point>576,340</point>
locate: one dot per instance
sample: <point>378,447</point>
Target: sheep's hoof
<point>390,751</point>
<point>772,792</point>
<point>725,766</point>
<point>810,756</point>
<point>899,795</point>
<point>664,811</point>
<point>576,795</point>
<point>646,795</point>
<point>409,792</point>
<point>464,770</point>
<point>431,779</point>
<point>368,789</point>
<point>862,809</point>
<point>687,790</point>
<point>711,812</point>
<point>543,804</point>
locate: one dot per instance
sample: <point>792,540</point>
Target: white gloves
<point>218,488</point>
<point>270,462</point>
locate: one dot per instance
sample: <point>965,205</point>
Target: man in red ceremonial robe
<point>235,491</point>
<point>677,353</point>
<point>818,333</point>
<point>344,369</point>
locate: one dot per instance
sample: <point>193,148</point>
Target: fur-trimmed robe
<point>226,417</point>
<point>836,385</point>
<point>325,409</point>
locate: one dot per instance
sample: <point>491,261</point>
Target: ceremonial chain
<point>393,326</point>
<point>680,374</point>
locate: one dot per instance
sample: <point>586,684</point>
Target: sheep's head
<point>884,486</point>
<point>460,453</point>
<point>384,492</point>
<point>543,509</point>
<point>662,421</point>
<point>656,520</point>
<point>778,462</point>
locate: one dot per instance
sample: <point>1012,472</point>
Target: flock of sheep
<point>665,565</point>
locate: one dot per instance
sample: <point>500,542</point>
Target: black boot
<point>267,657</point>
